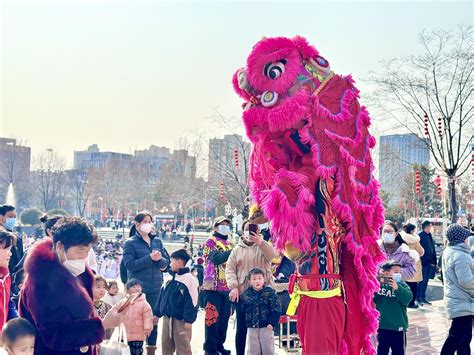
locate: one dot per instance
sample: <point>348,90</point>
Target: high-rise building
<point>397,155</point>
<point>155,158</point>
<point>93,158</point>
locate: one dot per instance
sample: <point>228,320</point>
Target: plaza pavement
<point>428,329</point>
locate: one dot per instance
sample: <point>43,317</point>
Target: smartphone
<point>384,279</point>
<point>253,228</point>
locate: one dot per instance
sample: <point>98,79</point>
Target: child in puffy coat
<point>136,315</point>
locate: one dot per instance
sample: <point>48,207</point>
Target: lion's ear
<point>306,50</point>
<point>240,83</point>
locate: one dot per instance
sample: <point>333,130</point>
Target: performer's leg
<point>212,317</point>
<point>329,314</point>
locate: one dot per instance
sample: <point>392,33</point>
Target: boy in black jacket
<point>262,311</point>
<point>178,306</point>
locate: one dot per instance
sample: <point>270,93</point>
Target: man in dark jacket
<point>428,261</point>
<point>8,222</point>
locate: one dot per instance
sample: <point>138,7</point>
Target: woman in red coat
<point>57,295</point>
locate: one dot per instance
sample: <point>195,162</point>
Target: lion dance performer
<point>311,174</point>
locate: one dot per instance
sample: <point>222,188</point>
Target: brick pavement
<point>427,332</point>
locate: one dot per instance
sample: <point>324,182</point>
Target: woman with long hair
<point>397,250</point>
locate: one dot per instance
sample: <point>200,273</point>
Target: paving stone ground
<point>428,329</point>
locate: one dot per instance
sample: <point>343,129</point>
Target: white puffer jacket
<point>413,241</point>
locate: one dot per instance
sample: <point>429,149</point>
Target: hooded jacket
<point>413,242</point>
<point>246,257</point>
<point>137,318</point>
<point>59,305</point>
<point>458,274</point>
<point>404,256</point>
<point>179,297</point>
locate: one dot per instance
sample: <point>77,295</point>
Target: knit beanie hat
<point>456,234</point>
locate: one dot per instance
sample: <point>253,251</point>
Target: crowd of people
<point>63,295</point>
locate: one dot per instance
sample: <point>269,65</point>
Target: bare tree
<point>233,173</point>
<point>115,184</point>
<point>50,178</point>
<point>432,94</point>
<point>80,189</point>
<point>15,167</point>
<point>178,185</point>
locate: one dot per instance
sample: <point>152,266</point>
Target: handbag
<point>114,346</point>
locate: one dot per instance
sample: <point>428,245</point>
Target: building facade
<point>398,153</point>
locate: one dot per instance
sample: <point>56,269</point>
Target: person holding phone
<point>251,252</point>
<point>391,301</point>
<point>145,259</point>
<point>396,249</point>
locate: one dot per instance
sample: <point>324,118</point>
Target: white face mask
<point>146,228</point>
<point>75,267</point>
<point>223,229</point>
<point>388,238</point>
<point>246,236</point>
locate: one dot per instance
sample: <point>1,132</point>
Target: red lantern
<point>472,163</point>
<point>236,157</point>
<point>437,181</point>
<point>222,190</point>
<point>417,182</point>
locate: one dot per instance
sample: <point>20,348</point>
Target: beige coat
<point>413,242</point>
<point>243,259</point>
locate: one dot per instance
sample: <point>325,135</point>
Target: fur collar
<point>43,265</point>
<point>409,238</point>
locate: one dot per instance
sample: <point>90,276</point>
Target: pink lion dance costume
<point>311,175</point>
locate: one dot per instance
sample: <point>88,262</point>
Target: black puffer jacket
<point>137,260</point>
<point>261,307</point>
<point>179,298</point>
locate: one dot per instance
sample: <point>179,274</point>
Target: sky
<point>128,74</point>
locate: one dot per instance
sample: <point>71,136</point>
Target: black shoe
<point>414,306</point>
<point>224,352</point>
<point>426,302</point>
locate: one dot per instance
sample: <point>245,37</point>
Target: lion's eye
<point>274,70</point>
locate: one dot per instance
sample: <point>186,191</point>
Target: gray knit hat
<point>456,234</point>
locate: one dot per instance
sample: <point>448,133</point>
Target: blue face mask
<point>10,223</point>
<point>397,277</point>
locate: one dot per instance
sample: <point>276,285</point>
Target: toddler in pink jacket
<point>136,316</point>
